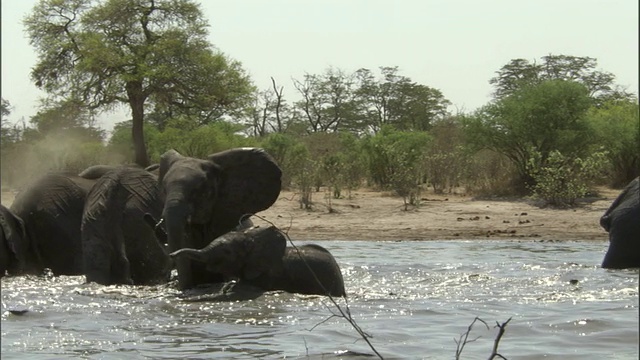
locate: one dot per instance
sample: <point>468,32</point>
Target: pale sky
<point>455,46</point>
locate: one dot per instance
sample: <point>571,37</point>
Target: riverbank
<point>372,215</point>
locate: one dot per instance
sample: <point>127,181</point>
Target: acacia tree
<point>133,52</point>
<point>519,73</point>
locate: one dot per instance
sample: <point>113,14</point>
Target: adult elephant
<point>622,222</point>
<point>118,247</point>
<point>205,198</point>
<point>51,208</point>
<point>259,256</point>
<point>13,243</point>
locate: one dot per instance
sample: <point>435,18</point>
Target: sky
<point>455,46</point>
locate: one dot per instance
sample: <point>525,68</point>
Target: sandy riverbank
<point>372,215</point>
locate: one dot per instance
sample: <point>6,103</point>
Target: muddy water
<point>413,298</point>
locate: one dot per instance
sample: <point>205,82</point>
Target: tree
<point>133,52</point>
<point>398,101</point>
<point>327,100</point>
<point>519,73</point>
<point>617,128</point>
<point>537,118</point>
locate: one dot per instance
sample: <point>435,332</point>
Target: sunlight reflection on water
<point>413,297</point>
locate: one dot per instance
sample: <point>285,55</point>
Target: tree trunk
<point>136,102</point>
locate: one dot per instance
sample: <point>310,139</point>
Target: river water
<point>412,298</point>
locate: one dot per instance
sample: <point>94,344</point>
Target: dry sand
<point>371,215</point>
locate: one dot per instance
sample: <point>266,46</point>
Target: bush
<point>562,180</point>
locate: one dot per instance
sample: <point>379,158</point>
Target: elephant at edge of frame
<point>51,209</point>
<point>118,246</point>
<point>622,222</point>
<point>13,243</point>
<point>206,198</point>
<point>259,256</point>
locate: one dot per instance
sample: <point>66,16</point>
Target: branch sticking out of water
<point>342,312</point>
<point>464,338</point>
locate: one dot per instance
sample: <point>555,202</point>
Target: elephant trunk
<point>193,254</point>
<point>175,215</point>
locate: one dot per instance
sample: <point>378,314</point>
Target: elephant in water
<point>51,209</point>
<point>259,256</point>
<point>118,247</point>
<point>206,198</point>
<point>622,222</point>
<point>13,243</point>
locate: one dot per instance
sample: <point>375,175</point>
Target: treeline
<point>553,128</point>
<point>553,135</point>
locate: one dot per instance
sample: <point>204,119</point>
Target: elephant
<point>51,209</point>
<point>13,243</point>
<point>205,198</point>
<point>622,222</point>
<point>259,256</point>
<point>117,245</point>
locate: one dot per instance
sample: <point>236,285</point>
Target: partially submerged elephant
<point>205,198</point>
<point>622,222</point>
<point>13,243</point>
<point>259,256</point>
<point>118,247</point>
<point>51,209</point>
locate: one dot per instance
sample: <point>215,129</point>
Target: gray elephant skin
<point>51,209</point>
<point>13,240</point>
<point>206,198</point>
<point>118,247</point>
<point>622,222</point>
<point>259,257</point>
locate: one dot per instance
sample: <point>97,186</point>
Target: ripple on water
<point>414,300</point>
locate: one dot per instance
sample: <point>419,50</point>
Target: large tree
<point>395,100</point>
<point>534,120</point>
<point>133,52</point>
<point>519,73</point>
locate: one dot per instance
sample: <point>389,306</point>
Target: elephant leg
<point>121,269</point>
<point>96,257</point>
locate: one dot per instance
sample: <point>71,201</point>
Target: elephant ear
<point>267,249</point>
<point>166,161</point>
<point>250,183</point>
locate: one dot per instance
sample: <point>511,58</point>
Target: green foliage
<point>447,158</point>
<point>520,73</point>
<point>396,161</point>
<point>617,128</point>
<point>541,118</point>
<point>285,150</point>
<point>137,53</point>
<point>182,135</point>
<point>562,180</point>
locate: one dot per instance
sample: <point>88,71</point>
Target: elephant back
<point>114,212</point>
<point>51,209</point>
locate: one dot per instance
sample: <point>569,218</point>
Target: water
<point>414,298</point>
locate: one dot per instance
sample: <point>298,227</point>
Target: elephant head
<point>244,254</point>
<point>205,198</point>
<point>13,242</point>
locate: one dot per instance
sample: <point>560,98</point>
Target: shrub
<point>562,180</point>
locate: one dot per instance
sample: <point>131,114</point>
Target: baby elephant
<point>259,256</point>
